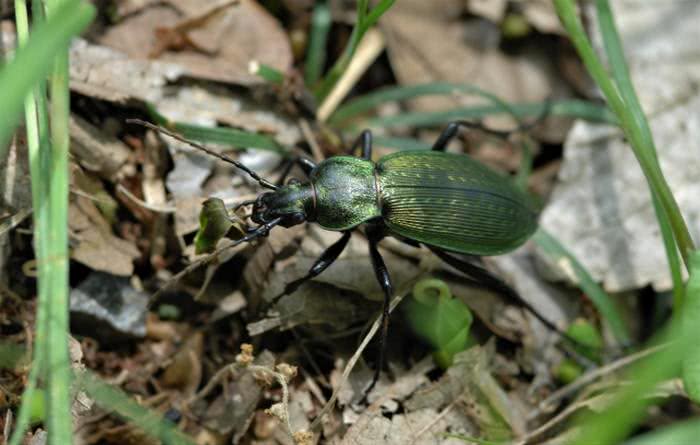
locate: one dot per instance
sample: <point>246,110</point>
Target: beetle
<point>448,202</point>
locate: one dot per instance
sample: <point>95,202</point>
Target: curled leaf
<point>214,224</point>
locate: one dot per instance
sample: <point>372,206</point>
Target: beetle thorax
<point>345,191</point>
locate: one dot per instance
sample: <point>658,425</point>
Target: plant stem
<point>642,146</point>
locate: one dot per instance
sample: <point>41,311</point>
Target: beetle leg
<point>304,163</point>
<point>365,139</point>
<point>484,278</point>
<point>326,259</point>
<point>374,235</point>
<point>453,127</point>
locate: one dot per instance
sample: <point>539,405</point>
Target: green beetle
<point>447,202</point>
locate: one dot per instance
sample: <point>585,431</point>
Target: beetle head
<point>292,203</point>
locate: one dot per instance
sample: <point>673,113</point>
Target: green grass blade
<point>601,300</point>
<point>571,108</point>
<point>620,71</point>
<point>236,139</point>
<point>641,145</point>
<point>690,316</point>
<point>369,101</point>
<point>365,21</point>
<point>267,73</point>
<point>33,62</point>
<point>116,401</point>
<point>59,420</point>
<point>316,52</point>
<point>685,432</point>
<point>36,129</point>
<point>365,103</point>
<point>615,423</point>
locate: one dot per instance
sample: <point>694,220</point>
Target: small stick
<point>367,52</point>
<point>591,376</point>
<point>316,424</point>
<point>144,204</point>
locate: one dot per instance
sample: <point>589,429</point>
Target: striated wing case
<point>453,202</point>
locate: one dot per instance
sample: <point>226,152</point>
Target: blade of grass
<point>571,108</point>
<point>316,52</point>
<point>615,423</point>
<point>601,300</point>
<point>59,421</point>
<point>620,71</point>
<point>684,432</point>
<point>236,139</point>
<point>35,60</point>
<point>266,72</point>
<point>369,101</point>
<point>115,400</point>
<point>363,104</point>
<point>37,136</point>
<point>642,146</point>
<point>365,20</point>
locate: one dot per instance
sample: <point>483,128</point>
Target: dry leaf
<point>220,47</point>
<point>94,243</point>
<point>101,72</point>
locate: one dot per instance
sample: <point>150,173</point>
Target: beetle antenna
<point>261,230</point>
<point>263,182</point>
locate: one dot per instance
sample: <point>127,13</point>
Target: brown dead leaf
<point>95,150</point>
<point>101,72</point>
<point>94,243</point>
<point>447,56</point>
<point>218,48</point>
<point>469,382</point>
<point>233,410</point>
<point>185,370</point>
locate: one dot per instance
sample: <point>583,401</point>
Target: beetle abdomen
<point>453,202</point>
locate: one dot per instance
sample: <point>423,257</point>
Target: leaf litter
<point>137,198</point>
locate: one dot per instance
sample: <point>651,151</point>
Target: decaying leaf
<point>104,73</point>
<point>469,383</point>
<point>529,76</point>
<point>95,150</point>
<point>233,410</point>
<point>218,48</point>
<point>94,244</point>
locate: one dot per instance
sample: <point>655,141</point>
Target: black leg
<point>453,128</point>
<point>326,259</point>
<point>365,139</point>
<point>482,277</point>
<point>304,163</point>
<point>374,235</point>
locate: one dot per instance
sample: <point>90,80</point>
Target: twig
<point>282,380</point>
<point>311,139</point>
<point>194,266</point>
<point>144,204</point>
<point>316,424</point>
<point>591,376</point>
<point>369,49</point>
<point>437,418</point>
